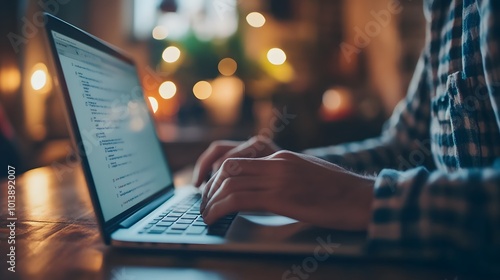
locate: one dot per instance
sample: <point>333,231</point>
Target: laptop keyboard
<point>185,218</point>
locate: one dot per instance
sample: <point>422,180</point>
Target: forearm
<point>368,157</point>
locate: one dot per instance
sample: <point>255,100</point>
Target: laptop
<point>128,177</point>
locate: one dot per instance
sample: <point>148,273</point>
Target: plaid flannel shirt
<point>437,192</point>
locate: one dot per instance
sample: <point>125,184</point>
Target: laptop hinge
<point>141,213</point>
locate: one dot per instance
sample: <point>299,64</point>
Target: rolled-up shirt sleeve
<point>436,214</point>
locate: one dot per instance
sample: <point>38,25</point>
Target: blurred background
<point>306,73</point>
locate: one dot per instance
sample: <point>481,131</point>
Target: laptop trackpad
<point>266,219</point>
<point>268,228</point>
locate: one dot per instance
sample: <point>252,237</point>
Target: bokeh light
<point>256,19</point>
<point>336,104</point>
<point>10,79</point>
<point>38,79</point>
<point>276,56</point>
<point>171,54</point>
<point>332,100</point>
<point>154,103</point>
<point>202,90</point>
<point>167,90</point>
<point>160,32</point>
<point>227,66</point>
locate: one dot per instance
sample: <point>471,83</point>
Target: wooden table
<point>57,238</point>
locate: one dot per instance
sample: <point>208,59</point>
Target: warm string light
<point>154,104</point>
<point>276,56</point>
<point>202,90</point>
<point>160,32</point>
<point>10,79</point>
<point>38,79</point>
<point>336,104</point>
<point>256,19</point>
<point>167,90</point>
<point>227,66</point>
<point>332,100</point>
<point>171,54</point>
<point>223,106</point>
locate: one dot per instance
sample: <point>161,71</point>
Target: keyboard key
<point>187,216</point>
<point>179,226</point>
<point>164,224</point>
<point>178,219</point>
<point>195,230</point>
<point>157,230</point>
<point>220,227</point>
<point>174,215</point>
<point>217,230</point>
<point>197,223</point>
<point>185,221</point>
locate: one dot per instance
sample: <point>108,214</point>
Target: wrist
<point>361,203</point>
<point>366,199</point>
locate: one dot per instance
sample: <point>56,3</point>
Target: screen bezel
<point>55,24</point>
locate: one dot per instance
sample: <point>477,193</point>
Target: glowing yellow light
<point>256,19</point>
<point>10,79</point>
<point>202,90</point>
<point>332,100</point>
<point>154,104</point>
<point>171,54</point>
<point>223,106</point>
<point>283,73</point>
<point>160,32</point>
<point>227,66</point>
<point>276,56</point>
<point>38,79</point>
<point>167,90</point>
<point>38,197</point>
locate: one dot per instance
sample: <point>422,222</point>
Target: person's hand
<point>219,151</point>
<point>295,185</point>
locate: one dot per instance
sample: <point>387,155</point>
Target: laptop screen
<point>118,134</point>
